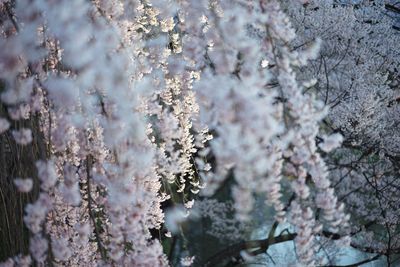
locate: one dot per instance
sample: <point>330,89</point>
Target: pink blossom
<point>23,185</point>
<point>38,246</point>
<point>60,249</point>
<point>187,261</point>
<point>4,125</point>
<point>331,142</point>
<point>47,174</point>
<point>22,136</point>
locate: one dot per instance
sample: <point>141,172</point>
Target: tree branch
<point>234,250</point>
<point>92,215</point>
<point>357,263</point>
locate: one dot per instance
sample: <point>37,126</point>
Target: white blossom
<point>23,185</point>
<point>4,125</point>
<point>22,136</point>
<point>331,142</point>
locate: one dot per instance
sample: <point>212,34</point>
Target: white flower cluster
<point>139,102</point>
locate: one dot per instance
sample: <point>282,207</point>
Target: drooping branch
<point>392,8</point>
<point>262,245</point>
<point>92,215</point>
<point>234,250</point>
<point>358,263</point>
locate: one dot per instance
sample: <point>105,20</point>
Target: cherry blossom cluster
<point>357,77</point>
<point>134,103</point>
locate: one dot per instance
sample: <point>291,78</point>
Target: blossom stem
<point>91,212</point>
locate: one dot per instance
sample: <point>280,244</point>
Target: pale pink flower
<point>187,261</point>
<point>36,213</point>
<point>23,185</point>
<point>60,249</point>
<point>47,174</point>
<point>331,142</point>
<point>38,246</point>
<point>4,125</point>
<point>22,136</point>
